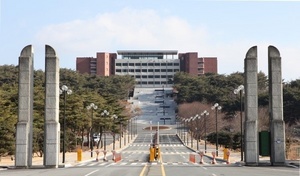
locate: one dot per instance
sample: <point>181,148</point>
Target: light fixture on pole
<point>151,140</point>
<point>197,118</point>
<point>185,131</point>
<point>241,90</point>
<point>189,120</point>
<point>205,113</point>
<point>217,108</point>
<point>92,107</point>
<point>114,135</point>
<point>104,114</point>
<point>64,90</point>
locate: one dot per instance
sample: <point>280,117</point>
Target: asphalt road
<point>174,159</point>
<point>174,162</point>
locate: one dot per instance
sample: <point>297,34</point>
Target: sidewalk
<point>70,157</point>
<point>235,156</point>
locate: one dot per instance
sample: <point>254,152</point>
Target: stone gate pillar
<point>23,155</point>
<point>52,126</point>
<point>277,126</point>
<point>251,108</point>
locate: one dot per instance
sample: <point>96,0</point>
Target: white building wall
<point>148,72</point>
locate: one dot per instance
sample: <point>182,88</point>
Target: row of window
<point>146,70</point>
<point>151,82</point>
<point>148,64</point>
<point>153,76</point>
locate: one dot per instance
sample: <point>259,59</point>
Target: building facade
<point>150,68</point>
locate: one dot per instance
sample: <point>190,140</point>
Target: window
<point>144,64</point>
<point>131,64</point>
<point>170,70</point>
<point>144,70</point>
<point>118,64</point>
<point>137,76</point>
<point>163,70</point>
<point>150,82</point>
<point>176,70</point>
<point>176,64</point>
<point>150,70</point>
<point>131,70</point>
<point>137,70</point>
<point>124,70</point>
<point>125,64</point>
<point>170,64</point>
<point>137,64</point>
<point>150,64</point>
<point>144,82</point>
<point>150,76</point>
<point>157,64</point>
<point>118,70</point>
<point>163,64</point>
<point>157,76</point>
<point>144,76</point>
<point>163,76</point>
<point>157,70</point>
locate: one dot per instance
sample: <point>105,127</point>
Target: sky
<point>218,28</point>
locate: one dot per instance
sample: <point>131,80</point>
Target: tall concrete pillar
<point>277,126</point>
<point>251,108</point>
<point>52,126</point>
<point>23,153</point>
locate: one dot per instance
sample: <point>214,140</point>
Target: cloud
<point>147,29</point>
<point>128,28</point>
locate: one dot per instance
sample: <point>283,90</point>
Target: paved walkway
<point>71,158</point>
<point>235,156</point>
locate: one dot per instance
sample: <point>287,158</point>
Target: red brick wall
<point>104,63</point>
<point>83,64</point>
<point>210,65</point>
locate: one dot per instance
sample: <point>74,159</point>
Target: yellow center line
<point>162,167</point>
<point>143,170</point>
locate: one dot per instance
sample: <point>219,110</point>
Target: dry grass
<point>294,152</point>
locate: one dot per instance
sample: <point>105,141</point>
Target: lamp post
<point>185,130</point>
<point>150,133</point>
<point>189,120</point>
<point>114,137</point>
<point>205,113</point>
<point>240,90</point>
<point>136,125</point>
<point>121,133</point>
<point>216,107</point>
<point>64,90</point>
<point>92,107</point>
<point>197,117</point>
<point>104,113</point>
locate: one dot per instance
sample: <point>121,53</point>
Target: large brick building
<point>150,68</point>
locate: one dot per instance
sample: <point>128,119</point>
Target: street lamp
<point>92,107</point>
<point>114,139</point>
<point>240,90</point>
<point>189,120</point>
<point>205,113</point>
<point>64,90</point>
<point>104,113</point>
<point>197,117</point>
<point>185,130</point>
<point>150,132</point>
<point>216,107</point>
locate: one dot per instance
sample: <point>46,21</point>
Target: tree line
<point>194,94</point>
<point>108,93</point>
